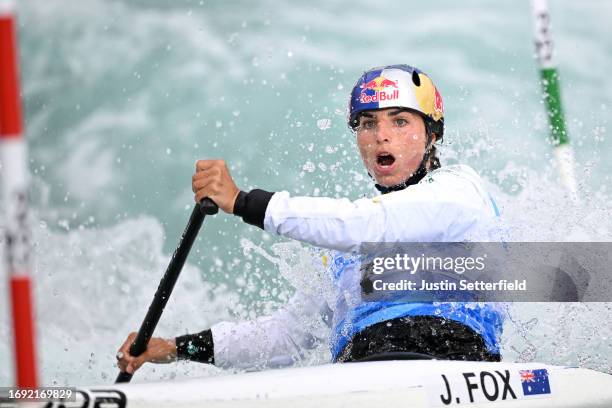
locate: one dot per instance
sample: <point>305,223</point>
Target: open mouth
<point>385,159</point>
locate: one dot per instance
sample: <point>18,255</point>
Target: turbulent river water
<point>122,97</point>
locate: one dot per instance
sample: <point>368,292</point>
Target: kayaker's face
<point>392,144</point>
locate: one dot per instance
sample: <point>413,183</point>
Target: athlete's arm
<point>195,347</point>
<point>276,340</point>
<point>427,212</point>
<point>441,208</point>
<point>279,339</point>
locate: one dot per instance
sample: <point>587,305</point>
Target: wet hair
<point>433,161</point>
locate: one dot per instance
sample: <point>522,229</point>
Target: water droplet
<point>308,167</point>
<point>324,124</point>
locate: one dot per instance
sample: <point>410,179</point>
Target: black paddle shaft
<point>167,282</point>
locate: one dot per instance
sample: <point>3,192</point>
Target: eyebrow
<point>391,113</point>
<point>396,112</point>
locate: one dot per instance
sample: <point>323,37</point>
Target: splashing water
<point>121,98</point>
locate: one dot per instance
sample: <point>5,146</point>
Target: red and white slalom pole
<point>14,175</point>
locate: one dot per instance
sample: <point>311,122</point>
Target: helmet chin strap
<point>415,177</point>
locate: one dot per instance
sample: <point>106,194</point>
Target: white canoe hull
<point>385,383</point>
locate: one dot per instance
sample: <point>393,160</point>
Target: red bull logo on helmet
<point>438,104</point>
<point>384,90</point>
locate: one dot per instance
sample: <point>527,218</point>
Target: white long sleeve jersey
<point>447,205</point>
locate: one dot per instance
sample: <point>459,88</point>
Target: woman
<point>397,115</point>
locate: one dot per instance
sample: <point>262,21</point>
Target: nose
<point>383,133</point>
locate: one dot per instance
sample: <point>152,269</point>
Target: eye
<point>400,122</point>
<point>368,125</point>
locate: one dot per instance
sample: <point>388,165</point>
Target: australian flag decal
<point>535,382</point>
